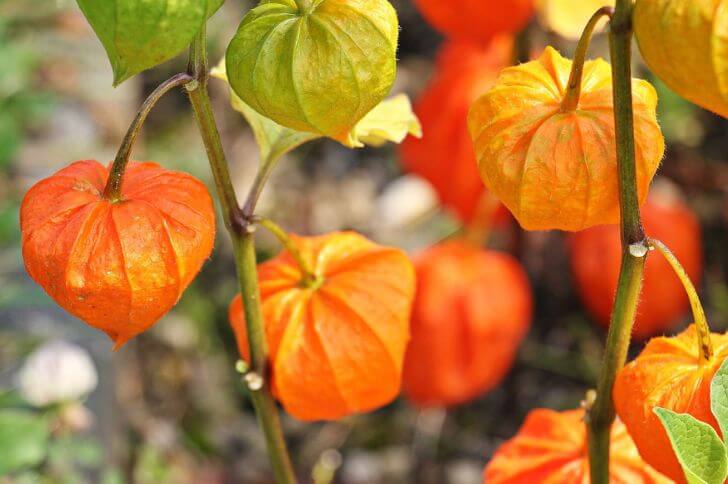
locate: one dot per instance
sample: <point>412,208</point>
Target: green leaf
<point>273,139</point>
<point>320,70</point>
<point>141,34</point>
<point>23,440</point>
<point>719,398</point>
<point>392,120</point>
<point>697,447</point>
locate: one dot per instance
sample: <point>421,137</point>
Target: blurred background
<point>169,406</point>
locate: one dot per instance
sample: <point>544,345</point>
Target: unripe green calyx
<point>319,68</point>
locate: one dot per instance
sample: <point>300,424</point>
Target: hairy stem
<point>705,345</point>
<point>573,88</point>
<point>246,265</point>
<point>112,191</point>
<point>634,253</point>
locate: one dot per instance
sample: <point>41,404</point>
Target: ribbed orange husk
<point>444,155</point>
<point>668,374</point>
<point>476,20</point>
<point>556,169</point>
<point>685,42</point>
<point>336,348</point>
<point>551,448</point>
<point>596,258</point>
<point>117,266</point>
<point>472,310</point>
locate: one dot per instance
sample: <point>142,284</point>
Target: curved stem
<point>309,276</point>
<point>573,88</point>
<point>601,414</point>
<point>246,266</point>
<point>112,191</point>
<point>705,346</point>
<point>261,178</point>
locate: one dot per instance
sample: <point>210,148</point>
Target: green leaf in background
<point>697,447</point>
<point>140,34</point>
<point>719,398</point>
<point>319,70</point>
<point>23,440</point>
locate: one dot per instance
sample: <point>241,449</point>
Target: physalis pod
<point>118,266</point>
<point>444,155</point>
<point>337,341</point>
<point>685,42</point>
<point>317,68</point>
<point>556,168</point>
<point>551,448</point>
<point>669,373</point>
<point>472,310</point>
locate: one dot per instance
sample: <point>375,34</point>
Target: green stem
<point>246,266</point>
<point>261,178</point>
<point>573,88</point>
<point>112,191</point>
<point>601,414</point>
<point>309,278</point>
<point>705,345</point>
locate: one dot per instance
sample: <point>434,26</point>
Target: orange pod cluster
<point>118,266</point>
<point>551,448</point>
<point>596,257</point>
<point>472,310</point>
<point>556,168</point>
<point>669,373</point>
<point>444,155</point>
<point>336,346</point>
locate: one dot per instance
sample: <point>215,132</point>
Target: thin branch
<point>112,191</point>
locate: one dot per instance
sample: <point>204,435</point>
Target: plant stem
<point>112,191</point>
<point>705,345</point>
<point>573,88</point>
<point>601,414</point>
<point>246,265</point>
<point>309,278</point>
<point>264,172</point>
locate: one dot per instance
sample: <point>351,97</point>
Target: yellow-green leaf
<point>392,120</point>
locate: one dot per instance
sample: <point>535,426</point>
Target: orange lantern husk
<point>551,448</point>
<point>117,266</point>
<point>596,257</point>
<point>444,155</point>
<point>555,167</point>
<point>336,346</point>
<point>472,310</point>
<point>477,20</point>
<point>669,373</point>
